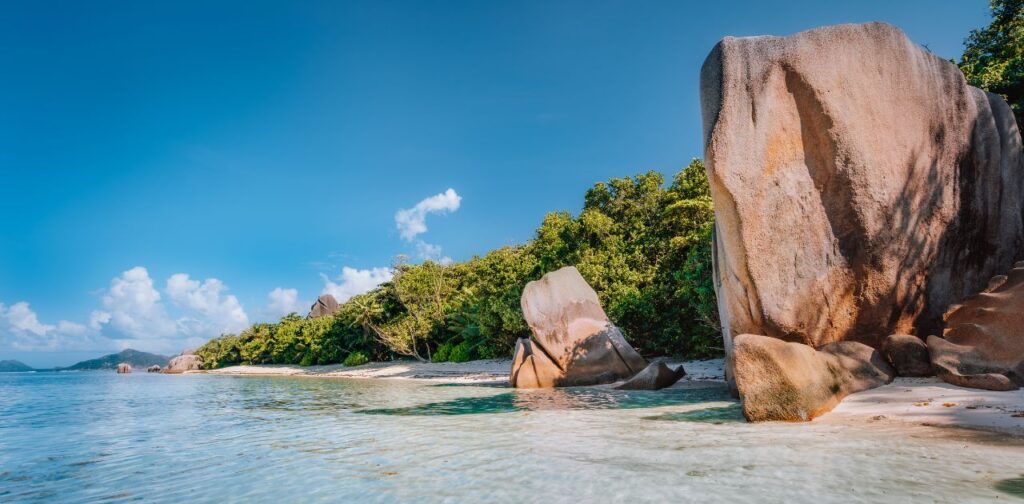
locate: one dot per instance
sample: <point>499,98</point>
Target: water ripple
<point>101,437</point>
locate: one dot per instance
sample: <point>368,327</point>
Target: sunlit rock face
<point>860,185</point>
<point>573,342</point>
<point>983,345</point>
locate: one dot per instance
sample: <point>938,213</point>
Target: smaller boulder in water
<point>574,343</point>
<point>124,368</point>
<point>656,376</point>
<point>155,368</point>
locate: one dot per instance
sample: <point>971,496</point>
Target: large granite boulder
<point>983,345</point>
<point>323,306</point>
<point>779,380</point>
<point>124,368</point>
<point>573,342</point>
<point>187,361</point>
<point>860,185</point>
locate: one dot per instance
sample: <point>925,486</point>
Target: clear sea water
<point>102,437</point>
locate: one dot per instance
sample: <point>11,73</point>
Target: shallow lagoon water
<point>102,437</point>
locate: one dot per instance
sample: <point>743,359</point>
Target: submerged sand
<point>918,401</point>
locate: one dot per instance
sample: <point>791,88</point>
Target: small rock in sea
<point>922,403</point>
<point>949,404</point>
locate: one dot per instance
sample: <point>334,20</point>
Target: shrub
<point>356,359</point>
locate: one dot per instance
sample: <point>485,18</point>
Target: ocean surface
<point>103,437</point>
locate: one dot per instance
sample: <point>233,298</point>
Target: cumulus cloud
<point>21,329</point>
<point>412,222</point>
<point>354,281</point>
<point>132,308</point>
<point>281,302</point>
<point>133,314</point>
<point>21,318</point>
<point>210,311</point>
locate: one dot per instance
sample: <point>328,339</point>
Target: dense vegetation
<point>644,247</point>
<point>993,56</point>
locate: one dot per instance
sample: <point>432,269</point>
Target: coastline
<point>915,401</point>
<point>487,371</point>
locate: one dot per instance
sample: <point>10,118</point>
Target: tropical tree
<point>993,56</point>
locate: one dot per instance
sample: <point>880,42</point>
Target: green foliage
<point>644,247</point>
<point>443,352</point>
<point>356,359</point>
<point>993,56</point>
<point>463,352</point>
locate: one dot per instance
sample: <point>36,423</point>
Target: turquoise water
<point>102,437</point>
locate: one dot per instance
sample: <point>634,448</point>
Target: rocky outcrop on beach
<point>781,380</point>
<point>187,361</point>
<point>908,355</point>
<point>323,306</point>
<point>573,342</point>
<point>124,368</point>
<point>860,186</point>
<point>983,343</point>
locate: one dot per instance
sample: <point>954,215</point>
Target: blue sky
<point>165,166</point>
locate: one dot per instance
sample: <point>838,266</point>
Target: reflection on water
<point>1012,486</point>
<point>575,398</point>
<point>102,437</point>
<point>715,415</point>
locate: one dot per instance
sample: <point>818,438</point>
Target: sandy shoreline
<point>918,401</point>
<point>488,371</point>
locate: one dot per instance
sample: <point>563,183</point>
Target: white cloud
<point>283,301</point>
<point>21,318</point>
<point>427,250</point>
<point>97,318</point>
<point>210,312</point>
<point>413,221</point>
<point>21,329</point>
<point>355,281</point>
<point>133,315</point>
<point>132,308</point>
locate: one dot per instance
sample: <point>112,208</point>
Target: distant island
<point>135,358</point>
<point>13,366</point>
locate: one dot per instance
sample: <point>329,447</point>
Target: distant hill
<point>13,366</point>
<point>134,357</point>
